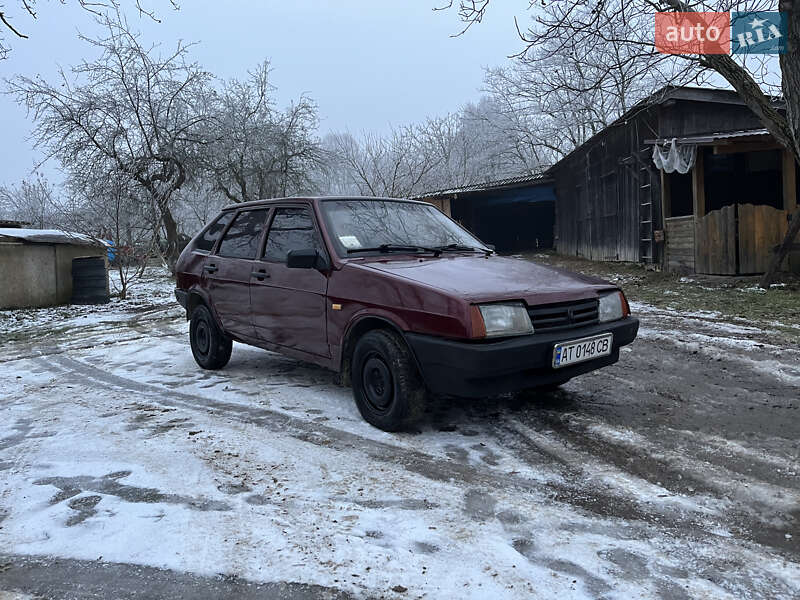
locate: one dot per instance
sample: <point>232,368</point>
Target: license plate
<point>577,351</point>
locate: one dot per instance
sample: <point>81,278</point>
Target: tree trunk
<point>172,250</point>
<point>790,73</point>
<point>783,250</point>
<point>123,280</point>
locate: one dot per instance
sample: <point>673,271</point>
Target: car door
<point>289,306</point>
<point>228,272</point>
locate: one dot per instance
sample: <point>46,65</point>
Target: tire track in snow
<point>432,467</point>
<point>760,511</point>
<point>716,551</point>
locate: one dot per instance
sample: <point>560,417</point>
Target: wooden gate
<point>760,229</point>
<point>715,242</point>
<point>738,239</point>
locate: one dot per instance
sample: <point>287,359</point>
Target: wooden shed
<point>727,214</point>
<point>723,216</point>
<point>512,214</point>
<point>36,265</point>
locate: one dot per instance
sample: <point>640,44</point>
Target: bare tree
<point>588,23</point>
<point>130,110</point>
<point>335,177</point>
<point>474,145</point>
<point>32,202</point>
<point>563,90</point>
<point>107,205</point>
<point>506,133</point>
<point>28,9</point>
<point>255,150</point>
<point>197,203</point>
<point>396,165</point>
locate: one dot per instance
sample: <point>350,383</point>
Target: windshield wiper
<point>396,248</point>
<point>462,248</point>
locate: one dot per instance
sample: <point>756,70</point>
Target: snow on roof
<point>48,236</point>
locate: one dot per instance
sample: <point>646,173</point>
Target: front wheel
<point>387,387</point>
<point>211,348</point>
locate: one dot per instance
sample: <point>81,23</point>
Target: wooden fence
<point>715,242</point>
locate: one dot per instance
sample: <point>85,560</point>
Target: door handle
<point>261,274</point>
<point>210,268</point>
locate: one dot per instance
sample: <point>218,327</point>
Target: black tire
<point>387,386</point>
<point>211,348</point>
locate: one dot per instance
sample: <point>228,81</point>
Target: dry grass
<point>735,297</point>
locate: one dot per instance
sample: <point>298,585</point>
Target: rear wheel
<point>387,387</point>
<point>211,348</point>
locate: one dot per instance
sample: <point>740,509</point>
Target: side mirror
<point>306,258</point>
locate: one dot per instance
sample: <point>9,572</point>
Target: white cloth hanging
<point>674,157</point>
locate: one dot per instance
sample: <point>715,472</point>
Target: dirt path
<point>673,474</point>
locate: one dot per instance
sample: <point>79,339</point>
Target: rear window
<point>206,241</point>
<point>242,237</point>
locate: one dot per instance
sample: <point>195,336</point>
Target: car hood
<point>485,279</point>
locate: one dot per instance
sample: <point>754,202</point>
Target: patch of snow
<point>729,349</point>
<point>51,236</point>
<point>777,498</point>
<point>153,290</point>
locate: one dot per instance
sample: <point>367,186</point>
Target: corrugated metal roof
<point>710,138</point>
<point>510,182</point>
<point>49,236</point>
<point>718,95</point>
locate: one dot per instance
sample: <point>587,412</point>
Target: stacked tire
<point>89,281</point>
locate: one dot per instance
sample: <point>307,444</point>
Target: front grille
<point>564,315</point>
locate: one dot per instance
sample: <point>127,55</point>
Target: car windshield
<point>375,226</point>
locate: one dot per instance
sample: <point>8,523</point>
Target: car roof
<point>302,199</point>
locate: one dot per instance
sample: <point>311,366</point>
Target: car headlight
<point>612,307</point>
<point>505,319</point>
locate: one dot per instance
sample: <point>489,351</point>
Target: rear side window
<point>292,229</point>
<point>241,239</point>
<point>210,236</point>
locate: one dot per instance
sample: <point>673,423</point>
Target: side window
<point>206,241</point>
<point>292,229</point>
<point>241,240</point>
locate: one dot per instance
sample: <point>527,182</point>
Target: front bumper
<point>476,369</point>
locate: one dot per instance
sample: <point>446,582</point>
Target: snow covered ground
<point>673,474</point>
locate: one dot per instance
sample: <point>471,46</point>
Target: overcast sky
<point>368,64</point>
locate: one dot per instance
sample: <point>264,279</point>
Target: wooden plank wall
<point>715,242</point>
<point>680,244</point>
<point>443,204</point>
<point>597,190</point>
<point>760,229</point>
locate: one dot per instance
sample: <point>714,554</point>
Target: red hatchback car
<point>396,297</point>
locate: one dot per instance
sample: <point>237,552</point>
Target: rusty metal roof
<point>711,138</point>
